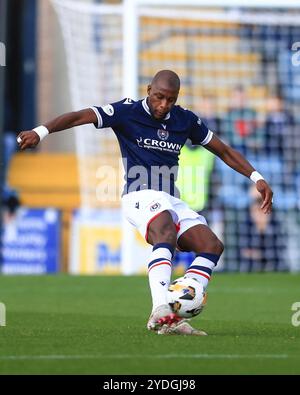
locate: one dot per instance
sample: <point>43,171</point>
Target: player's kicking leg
<point>162,235</point>
<point>201,240</point>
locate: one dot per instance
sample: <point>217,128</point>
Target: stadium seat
<point>45,180</point>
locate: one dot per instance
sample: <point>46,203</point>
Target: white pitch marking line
<point>130,356</point>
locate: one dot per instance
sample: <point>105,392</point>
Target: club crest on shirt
<point>155,206</point>
<point>163,134</point>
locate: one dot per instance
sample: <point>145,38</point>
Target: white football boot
<point>180,328</point>
<point>160,316</point>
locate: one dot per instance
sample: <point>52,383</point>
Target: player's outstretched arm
<point>31,138</point>
<point>236,161</point>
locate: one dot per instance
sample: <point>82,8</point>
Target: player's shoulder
<point>181,110</point>
<point>122,104</point>
<point>184,112</point>
<point>127,101</point>
<point>119,107</point>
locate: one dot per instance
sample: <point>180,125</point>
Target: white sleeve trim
<point>98,115</point>
<point>207,138</point>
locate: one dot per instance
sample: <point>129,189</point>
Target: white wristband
<point>255,176</point>
<point>42,131</point>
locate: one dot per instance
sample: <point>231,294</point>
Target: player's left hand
<point>267,196</point>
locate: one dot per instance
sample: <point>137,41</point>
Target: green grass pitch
<point>96,325</point>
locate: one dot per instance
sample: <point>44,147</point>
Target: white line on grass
<point>245,290</point>
<point>132,356</point>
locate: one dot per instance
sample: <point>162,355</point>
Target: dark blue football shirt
<point>150,148</point>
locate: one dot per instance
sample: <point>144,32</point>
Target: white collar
<point>147,109</point>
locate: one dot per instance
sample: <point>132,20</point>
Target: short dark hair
<point>168,76</point>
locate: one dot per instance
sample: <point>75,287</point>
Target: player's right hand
<point>267,196</point>
<point>28,139</point>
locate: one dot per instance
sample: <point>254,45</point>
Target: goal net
<point>240,71</point>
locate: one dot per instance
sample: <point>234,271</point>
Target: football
<point>186,297</point>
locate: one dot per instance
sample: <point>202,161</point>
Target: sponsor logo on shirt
<point>140,142</point>
<point>160,145</point>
